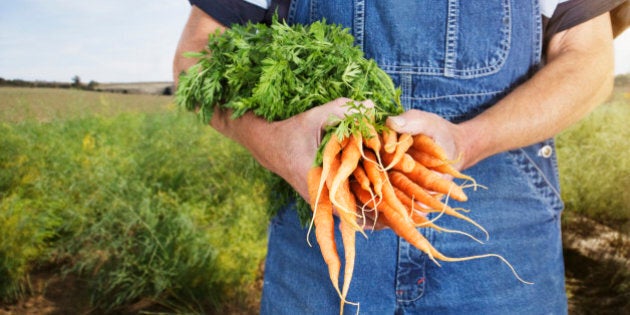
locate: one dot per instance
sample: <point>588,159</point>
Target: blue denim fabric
<point>454,58</point>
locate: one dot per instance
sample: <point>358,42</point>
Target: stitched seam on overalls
<point>313,12</point>
<point>543,186</point>
<point>541,173</point>
<point>407,89</point>
<point>439,97</point>
<point>450,53</point>
<point>537,58</point>
<point>291,13</point>
<point>359,23</point>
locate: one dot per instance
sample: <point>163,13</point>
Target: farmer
<point>490,81</point>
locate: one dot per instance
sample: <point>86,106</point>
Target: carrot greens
<point>277,71</point>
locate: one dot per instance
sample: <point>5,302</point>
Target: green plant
<point>137,206</point>
<point>594,168</point>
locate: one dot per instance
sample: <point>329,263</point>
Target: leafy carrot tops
<point>278,71</point>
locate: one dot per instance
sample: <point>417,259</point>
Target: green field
<point>129,205</point>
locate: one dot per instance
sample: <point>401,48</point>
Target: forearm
<point>194,38</point>
<point>288,147</point>
<point>574,81</point>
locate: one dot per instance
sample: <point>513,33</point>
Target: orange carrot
<point>402,227</point>
<point>350,156</point>
<point>362,178</point>
<point>389,197</point>
<point>369,201</point>
<point>390,138</point>
<point>411,189</point>
<point>425,143</point>
<point>448,169</point>
<point>415,209</point>
<point>343,201</point>
<point>432,181</point>
<point>403,197</point>
<point>373,171</point>
<point>405,164</point>
<point>348,237</point>
<point>418,194</point>
<point>348,201</point>
<point>371,139</point>
<point>404,143</point>
<point>324,226</point>
<point>331,150</point>
<point>425,158</point>
<point>406,229</point>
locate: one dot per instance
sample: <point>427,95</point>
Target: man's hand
<point>286,147</point>
<point>576,78</point>
<point>447,135</point>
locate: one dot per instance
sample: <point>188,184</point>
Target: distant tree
<point>76,81</point>
<point>91,85</point>
<point>622,80</point>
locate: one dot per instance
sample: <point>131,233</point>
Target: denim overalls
<point>454,58</point>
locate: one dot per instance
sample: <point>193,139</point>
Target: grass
<point>48,104</point>
<point>594,164</point>
<point>142,202</point>
<point>148,208</point>
<point>595,176</point>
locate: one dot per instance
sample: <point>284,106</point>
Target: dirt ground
<point>592,283</point>
<point>53,295</point>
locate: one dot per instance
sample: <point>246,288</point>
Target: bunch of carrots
<point>394,179</point>
<point>363,169</point>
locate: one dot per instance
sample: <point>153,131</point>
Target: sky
<point>110,40</point>
<point>100,40</point>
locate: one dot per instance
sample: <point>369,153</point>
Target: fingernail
<point>397,121</point>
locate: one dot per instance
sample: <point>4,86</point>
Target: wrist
<point>475,143</point>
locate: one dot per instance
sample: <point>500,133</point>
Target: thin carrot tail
<point>422,221</point>
<point>313,177</point>
<point>348,235</point>
<point>440,256</point>
<point>450,170</point>
<point>458,215</point>
<point>445,230</point>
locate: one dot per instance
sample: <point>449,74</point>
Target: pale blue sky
<point>108,40</point>
<point>101,40</point>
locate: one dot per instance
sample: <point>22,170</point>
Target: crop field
<point>113,203</point>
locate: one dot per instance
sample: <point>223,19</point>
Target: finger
<point>339,108</point>
<point>415,122</point>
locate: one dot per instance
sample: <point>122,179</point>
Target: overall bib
<point>453,58</point>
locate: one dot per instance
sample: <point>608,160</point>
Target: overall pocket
<point>539,163</point>
<point>458,39</point>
